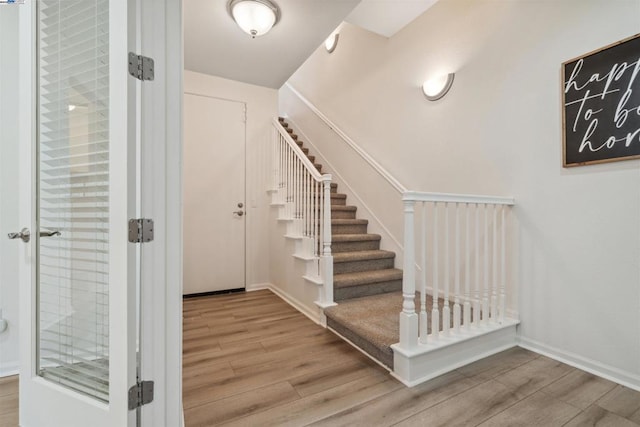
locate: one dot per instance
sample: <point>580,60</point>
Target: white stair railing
<point>304,195</point>
<point>457,245</point>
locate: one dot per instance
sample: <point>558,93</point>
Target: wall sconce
<point>331,42</point>
<point>437,87</point>
<point>254,17</point>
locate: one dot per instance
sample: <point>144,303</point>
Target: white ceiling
<point>387,17</point>
<point>215,45</point>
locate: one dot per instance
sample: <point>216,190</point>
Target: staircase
<point>367,287</point>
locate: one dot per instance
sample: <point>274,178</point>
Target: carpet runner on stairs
<point>366,284</point>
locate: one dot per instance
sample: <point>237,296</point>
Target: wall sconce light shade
<point>254,17</point>
<point>437,87</point>
<point>331,42</point>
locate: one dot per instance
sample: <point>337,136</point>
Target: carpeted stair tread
<point>365,260</point>
<point>372,322</point>
<point>361,256</point>
<point>348,226</point>
<point>347,221</point>
<point>355,242</point>
<point>343,212</point>
<point>366,277</point>
<point>339,238</point>
<point>344,208</point>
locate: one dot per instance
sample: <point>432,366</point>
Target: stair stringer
<point>296,279</point>
<point>428,361</point>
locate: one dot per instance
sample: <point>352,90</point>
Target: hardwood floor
<point>252,360</point>
<point>9,401</point>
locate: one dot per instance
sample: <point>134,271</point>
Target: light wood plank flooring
<point>9,401</point>
<point>252,360</point>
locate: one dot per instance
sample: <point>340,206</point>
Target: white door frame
<point>161,186</point>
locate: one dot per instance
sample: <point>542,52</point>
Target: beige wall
<point>262,104</point>
<point>498,131</point>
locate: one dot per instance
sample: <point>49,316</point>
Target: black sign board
<point>601,105</point>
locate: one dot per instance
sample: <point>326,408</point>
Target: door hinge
<point>140,394</point>
<point>140,230</point>
<point>141,67</point>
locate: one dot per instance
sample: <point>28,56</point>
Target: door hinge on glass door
<point>141,67</point>
<point>140,394</point>
<point>140,230</point>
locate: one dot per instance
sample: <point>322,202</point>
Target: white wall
<point>9,220</point>
<point>262,107</point>
<point>498,131</point>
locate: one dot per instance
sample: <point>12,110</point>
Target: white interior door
<point>77,188</point>
<point>214,194</point>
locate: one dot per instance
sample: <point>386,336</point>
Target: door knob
<point>239,213</point>
<point>24,235</point>
<point>50,233</point>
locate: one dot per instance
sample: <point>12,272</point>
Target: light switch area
<point>254,204</point>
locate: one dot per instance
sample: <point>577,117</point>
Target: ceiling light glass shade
<point>331,42</point>
<point>254,17</point>
<point>437,87</point>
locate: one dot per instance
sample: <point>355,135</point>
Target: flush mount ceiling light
<point>437,87</point>
<point>331,42</point>
<point>254,17</point>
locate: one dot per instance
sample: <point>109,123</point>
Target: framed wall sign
<point>601,105</point>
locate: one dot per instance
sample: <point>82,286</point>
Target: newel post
<point>327,258</point>
<point>408,316</point>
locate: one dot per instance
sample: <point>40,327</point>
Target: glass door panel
<point>72,293</point>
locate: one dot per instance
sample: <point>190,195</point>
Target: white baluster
<point>327,258</point>
<point>494,270</point>
<point>289,173</point>
<point>299,197</point>
<point>435,311</point>
<point>485,256</point>
<point>274,168</point>
<point>316,220</point>
<point>503,263</point>
<point>294,186</point>
<point>476,295</point>
<point>467,279</point>
<point>446,310</point>
<point>408,317</point>
<point>424,323</point>
<point>307,203</point>
<point>456,295</point>
<point>283,168</point>
<point>321,222</point>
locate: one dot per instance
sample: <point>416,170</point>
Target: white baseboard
<point>9,369</point>
<point>626,379</point>
<point>427,361</point>
<point>292,301</point>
